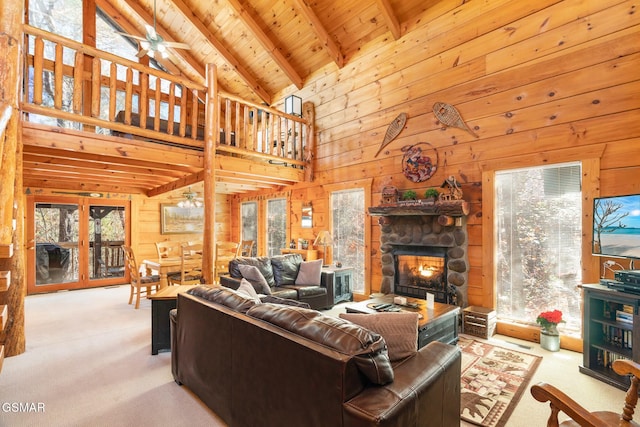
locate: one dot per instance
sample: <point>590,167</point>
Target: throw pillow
<point>399,330</point>
<point>309,273</point>
<point>253,275</point>
<point>246,289</point>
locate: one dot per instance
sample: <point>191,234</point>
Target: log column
<point>11,199</point>
<point>211,125</point>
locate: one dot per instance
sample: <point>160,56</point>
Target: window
<point>348,219</point>
<point>276,226</point>
<point>249,225</point>
<point>538,243</point>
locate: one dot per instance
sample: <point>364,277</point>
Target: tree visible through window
<point>249,218</point>
<point>348,232</point>
<point>538,243</point>
<point>276,226</point>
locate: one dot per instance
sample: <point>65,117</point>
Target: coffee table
<point>439,323</point>
<point>162,302</point>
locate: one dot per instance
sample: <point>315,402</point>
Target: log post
<point>309,114</point>
<point>11,199</point>
<point>211,118</point>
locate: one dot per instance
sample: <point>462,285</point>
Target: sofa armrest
<point>425,392</point>
<point>230,282</point>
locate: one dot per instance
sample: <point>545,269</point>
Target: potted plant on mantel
<point>409,195</point>
<point>431,195</point>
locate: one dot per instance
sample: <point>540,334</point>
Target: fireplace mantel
<point>452,208</point>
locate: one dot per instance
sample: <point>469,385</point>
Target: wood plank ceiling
<point>263,49</point>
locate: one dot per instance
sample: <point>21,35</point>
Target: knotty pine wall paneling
<point>539,82</point>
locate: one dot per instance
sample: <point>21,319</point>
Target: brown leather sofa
<point>277,365</point>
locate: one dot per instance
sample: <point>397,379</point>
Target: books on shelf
<point>606,358</point>
<point>624,317</point>
<point>617,337</point>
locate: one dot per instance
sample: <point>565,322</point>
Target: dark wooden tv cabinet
<point>608,333</point>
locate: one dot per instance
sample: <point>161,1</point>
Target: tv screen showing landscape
<point>616,226</point>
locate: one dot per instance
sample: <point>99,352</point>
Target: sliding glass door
<point>75,243</point>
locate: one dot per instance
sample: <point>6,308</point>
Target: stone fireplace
<point>421,255</point>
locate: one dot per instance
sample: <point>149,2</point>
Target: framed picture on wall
<point>177,220</point>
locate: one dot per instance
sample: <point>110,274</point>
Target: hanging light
<point>190,200</point>
<point>293,105</point>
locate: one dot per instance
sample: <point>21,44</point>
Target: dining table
<point>164,266</point>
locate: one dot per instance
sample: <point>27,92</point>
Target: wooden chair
<point>167,249</point>
<point>139,283</point>
<point>225,252</point>
<point>560,402</point>
<point>245,248</point>
<point>190,266</point>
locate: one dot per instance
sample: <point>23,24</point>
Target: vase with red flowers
<point>549,335</point>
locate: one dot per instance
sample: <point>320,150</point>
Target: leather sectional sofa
<point>265,364</point>
<point>280,273</point>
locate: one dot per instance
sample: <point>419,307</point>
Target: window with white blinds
<point>538,240</point>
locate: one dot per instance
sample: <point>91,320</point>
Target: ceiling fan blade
<point>141,53</point>
<point>131,36</point>
<point>177,45</point>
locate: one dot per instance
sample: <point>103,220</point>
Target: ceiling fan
<point>153,44</point>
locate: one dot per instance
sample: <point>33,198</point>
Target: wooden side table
<point>341,281</point>
<point>162,302</point>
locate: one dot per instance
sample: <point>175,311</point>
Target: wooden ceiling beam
<point>266,42</point>
<point>321,32</point>
<point>71,172</point>
<point>244,74</point>
<point>390,18</point>
<point>61,155</point>
<point>147,170</point>
<point>175,184</point>
<point>119,148</point>
<point>102,187</point>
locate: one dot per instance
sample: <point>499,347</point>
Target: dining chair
<point>225,252</point>
<point>190,266</point>
<point>245,248</point>
<point>167,249</point>
<point>139,283</point>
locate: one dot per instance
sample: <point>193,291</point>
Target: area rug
<point>493,380</point>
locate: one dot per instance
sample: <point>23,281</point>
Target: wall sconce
<point>293,105</point>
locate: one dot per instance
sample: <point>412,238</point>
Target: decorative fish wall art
<point>448,115</point>
<point>393,131</point>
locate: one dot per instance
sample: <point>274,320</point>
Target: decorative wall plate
<point>420,161</point>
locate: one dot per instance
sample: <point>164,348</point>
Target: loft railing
<point>70,84</point>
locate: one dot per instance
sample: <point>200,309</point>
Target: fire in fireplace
<point>421,270</point>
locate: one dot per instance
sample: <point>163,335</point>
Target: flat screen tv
<point>616,226</point>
